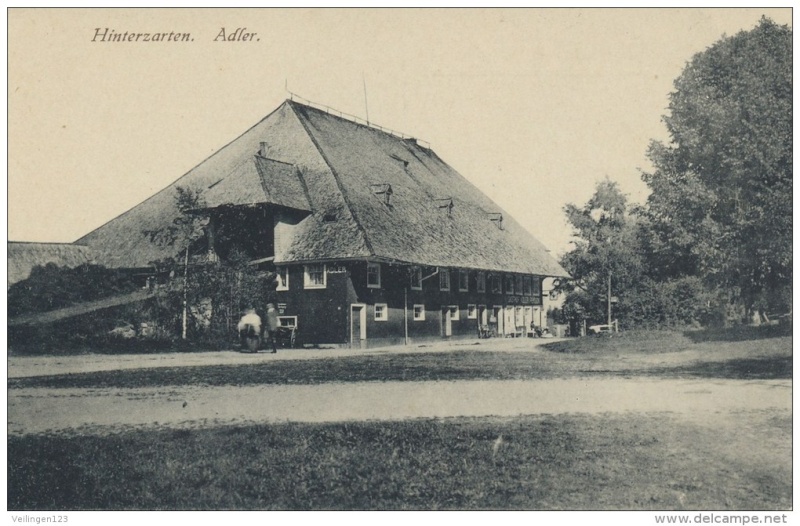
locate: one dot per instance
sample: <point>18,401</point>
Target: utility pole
<point>609,301</point>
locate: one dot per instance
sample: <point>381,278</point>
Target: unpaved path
<point>35,410</point>
<point>27,366</point>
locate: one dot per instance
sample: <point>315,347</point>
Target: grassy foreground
<point>663,354</point>
<point>551,462</point>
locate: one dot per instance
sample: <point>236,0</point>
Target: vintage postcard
<point>400,259</point>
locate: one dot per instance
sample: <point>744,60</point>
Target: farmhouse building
<point>374,238</point>
<point>24,256</point>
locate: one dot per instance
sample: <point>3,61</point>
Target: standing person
<point>272,325</point>
<point>249,328</point>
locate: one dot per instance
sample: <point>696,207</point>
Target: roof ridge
<point>340,115</point>
<point>68,243</point>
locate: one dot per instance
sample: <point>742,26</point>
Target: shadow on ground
<point>773,368</point>
<point>739,333</point>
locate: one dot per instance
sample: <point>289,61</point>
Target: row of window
<point>382,312</point>
<point>315,277</point>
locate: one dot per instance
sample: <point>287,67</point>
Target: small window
<point>281,308</point>
<point>536,286</point>
<point>481,282</point>
<point>283,278</point>
<point>444,279</point>
<point>509,284</point>
<point>315,277</point>
<point>518,285</point>
<point>287,321</point>
<point>381,312</point>
<point>416,278</point>
<point>463,280</point>
<point>527,288</point>
<point>472,312</point>
<point>373,275</point>
<point>419,312</point>
<point>497,287</point>
<point>454,312</point>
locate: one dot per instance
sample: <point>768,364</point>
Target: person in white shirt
<point>249,328</point>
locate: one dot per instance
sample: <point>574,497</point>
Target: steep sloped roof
<point>122,241</point>
<point>258,180</point>
<point>416,226</point>
<point>23,256</point>
<point>304,158</point>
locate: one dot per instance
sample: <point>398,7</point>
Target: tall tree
<point>605,250</point>
<point>185,230</point>
<point>721,200</point>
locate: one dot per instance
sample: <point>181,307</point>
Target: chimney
<point>263,150</point>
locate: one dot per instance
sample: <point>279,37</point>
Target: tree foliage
<point>720,206</point>
<point>610,242</point>
<point>604,247</point>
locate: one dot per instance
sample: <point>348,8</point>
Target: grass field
<point>669,355</point>
<point>553,462</point>
<point>738,460</point>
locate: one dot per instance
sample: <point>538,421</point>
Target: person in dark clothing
<point>272,325</point>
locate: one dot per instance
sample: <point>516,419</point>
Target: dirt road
<point>35,410</point>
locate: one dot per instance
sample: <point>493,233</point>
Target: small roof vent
<point>497,218</point>
<point>398,158</point>
<point>445,203</point>
<point>384,189</point>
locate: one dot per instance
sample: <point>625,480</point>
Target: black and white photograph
<point>399,259</point>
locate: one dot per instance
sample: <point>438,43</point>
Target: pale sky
<point>532,106</point>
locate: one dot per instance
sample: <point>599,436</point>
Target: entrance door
<point>447,322</point>
<point>528,318</point>
<point>358,325</point>
<point>510,325</point>
<point>497,314</point>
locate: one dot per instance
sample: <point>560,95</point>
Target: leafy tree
<point>605,249</point>
<point>185,230</point>
<point>721,202</point>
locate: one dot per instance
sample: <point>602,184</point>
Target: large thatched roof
<point>304,158</point>
<point>23,256</point>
